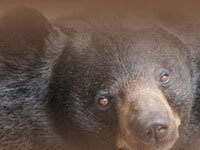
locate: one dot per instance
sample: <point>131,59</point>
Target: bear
<point>84,83</point>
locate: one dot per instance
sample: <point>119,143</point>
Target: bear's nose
<point>155,131</point>
<point>152,128</point>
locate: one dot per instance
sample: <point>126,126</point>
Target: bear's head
<point>111,84</point>
<point>121,85</point>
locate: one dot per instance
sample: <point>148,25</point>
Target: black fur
<point>28,47</point>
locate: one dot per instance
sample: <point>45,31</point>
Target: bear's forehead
<point>122,37</point>
<point>118,48</point>
<point>137,46</point>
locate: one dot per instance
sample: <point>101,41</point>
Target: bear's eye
<point>103,102</point>
<point>164,78</point>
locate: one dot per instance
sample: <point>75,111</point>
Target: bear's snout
<point>152,128</point>
<point>146,119</point>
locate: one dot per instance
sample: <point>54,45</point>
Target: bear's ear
<point>23,35</point>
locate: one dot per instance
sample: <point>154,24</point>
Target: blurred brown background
<point>53,8</point>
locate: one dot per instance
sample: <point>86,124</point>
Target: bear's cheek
<point>146,120</point>
<point>180,100</point>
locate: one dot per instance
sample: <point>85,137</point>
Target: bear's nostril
<point>149,133</point>
<point>161,131</point>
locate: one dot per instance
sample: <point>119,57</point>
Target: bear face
<point>125,87</point>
